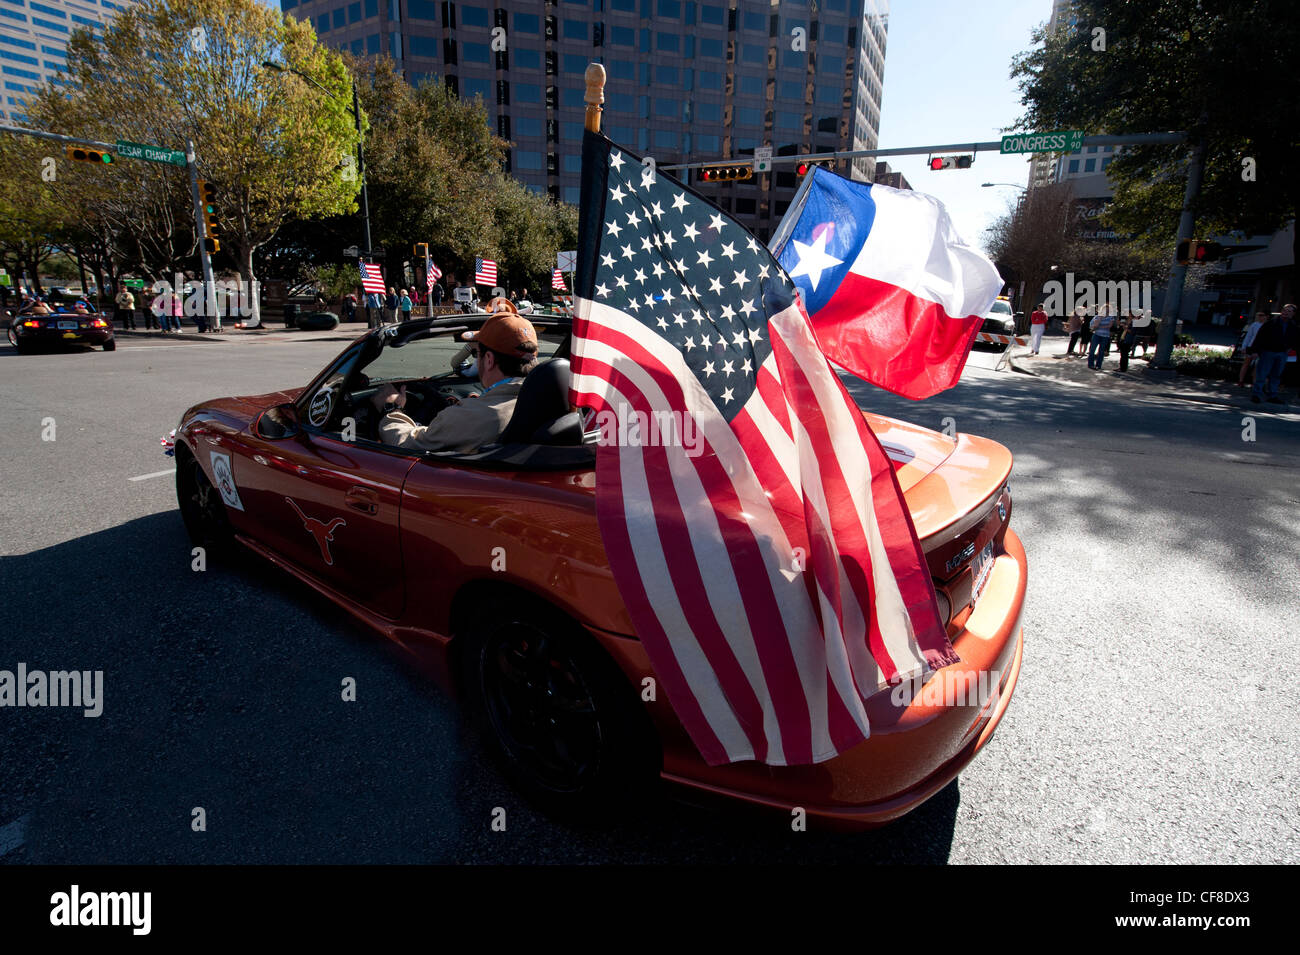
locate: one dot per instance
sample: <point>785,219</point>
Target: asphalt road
<point>1154,720</point>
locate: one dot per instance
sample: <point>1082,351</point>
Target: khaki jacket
<point>467,426</point>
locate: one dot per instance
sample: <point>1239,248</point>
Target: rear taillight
<point>98,323</point>
<point>31,323</point>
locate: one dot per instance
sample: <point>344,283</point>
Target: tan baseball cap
<point>506,332</point>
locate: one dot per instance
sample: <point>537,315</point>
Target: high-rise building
<point>687,81</point>
<point>34,41</point>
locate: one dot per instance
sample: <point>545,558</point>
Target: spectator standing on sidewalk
<point>1037,325</point>
<point>405,305</point>
<point>125,308</point>
<point>374,309</point>
<point>1248,350</point>
<point>390,305</point>
<point>1272,342</point>
<point>1126,339</point>
<point>1085,330</point>
<point>1074,325</point>
<point>1099,344</point>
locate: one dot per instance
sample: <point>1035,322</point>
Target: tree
<point>1223,70</point>
<point>276,147</point>
<point>1031,239</point>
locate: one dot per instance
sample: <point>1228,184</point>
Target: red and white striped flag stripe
<point>432,273</point>
<point>372,280</point>
<point>557,281</point>
<point>485,272</point>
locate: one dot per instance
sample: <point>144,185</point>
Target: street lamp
<point>985,185</point>
<point>356,116</point>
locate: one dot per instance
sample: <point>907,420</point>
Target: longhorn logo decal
<point>324,533</point>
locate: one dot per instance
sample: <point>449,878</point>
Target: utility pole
<point>1177,278</point>
<point>209,289</point>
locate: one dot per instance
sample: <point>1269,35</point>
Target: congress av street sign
<point>1061,141</point>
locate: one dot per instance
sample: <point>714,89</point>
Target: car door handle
<point>362,499</point>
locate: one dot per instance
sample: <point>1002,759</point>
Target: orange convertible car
<point>489,567</point>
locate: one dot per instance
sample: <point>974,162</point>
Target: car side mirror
<point>278,422</point>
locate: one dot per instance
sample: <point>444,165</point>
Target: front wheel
<point>202,509</point>
<point>558,714</point>
<point>110,345</point>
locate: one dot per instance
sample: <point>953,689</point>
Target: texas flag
<point>894,294</point>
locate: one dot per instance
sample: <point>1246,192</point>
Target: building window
<point>665,139</point>
<point>528,159</point>
<point>666,107</point>
<point>668,42</point>
<point>712,15</point>
<point>476,87</point>
<point>575,63</point>
<point>756,22</point>
<point>422,10</point>
<point>372,45</point>
<point>528,23</point>
<point>473,16</point>
<point>666,75</point>
<point>1090,165</point>
<point>622,36</point>
<point>528,126</point>
<point>575,30</point>
<point>1074,165</point>
<point>424,46</point>
<point>476,52</point>
<point>354,13</point>
<point>752,85</point>
<point>710,80</point>
<point>528,59</point>
<point>572,162</point>
<point>668,9</point>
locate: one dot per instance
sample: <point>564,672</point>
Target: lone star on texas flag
<point>813,259</point>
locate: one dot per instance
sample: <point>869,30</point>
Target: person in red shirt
<point>1037,325</point>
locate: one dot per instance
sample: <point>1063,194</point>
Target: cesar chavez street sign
<point>1061,141</point>
<point>150,153</point>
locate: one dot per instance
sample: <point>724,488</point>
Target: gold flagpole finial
<point>595,95</point>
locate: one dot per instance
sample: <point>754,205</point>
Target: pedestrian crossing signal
<point>82,154</point>
<point>1196,252</point>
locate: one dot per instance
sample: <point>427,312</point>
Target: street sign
<point>566,261</point>
<point>762,159</point>
<point>144,151</point>
<point>137,284</point>
<point>1061,141</point>
<point>351,252</point>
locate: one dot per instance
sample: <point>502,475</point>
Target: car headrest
<point>543,400</point>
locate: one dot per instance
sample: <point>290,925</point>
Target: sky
<point>947,80</point>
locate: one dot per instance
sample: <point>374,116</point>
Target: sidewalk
<point>1140,379</point>
<point>344,332</point>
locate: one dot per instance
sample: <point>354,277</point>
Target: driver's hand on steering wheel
<point>388,398</point>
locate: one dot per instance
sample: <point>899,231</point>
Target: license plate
<point>981,567</point>
<point>67,325</point>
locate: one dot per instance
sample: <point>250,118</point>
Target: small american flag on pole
<point>752,521</point>
<point>485,272</point>
<point>372,280</point>
<point>432,273</point>
<point>557,281</point>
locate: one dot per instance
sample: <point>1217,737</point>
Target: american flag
<point>431,273</point>
<point>485,272</point>
<point>753,523</point>
<point>557,281</point>
<point>372,280</point>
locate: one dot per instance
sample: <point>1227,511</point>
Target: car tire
<point>202,509</point>
<point>557,714</point>
<point>318,322</point>
<point>110,345</point>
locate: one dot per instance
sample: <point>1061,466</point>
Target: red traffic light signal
<point>1196,252</point>
<point>804,168</point>
<point>1208,251</point>
<point>951,162</point>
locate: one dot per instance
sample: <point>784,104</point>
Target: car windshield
<point>431,357</point>
<point>1000,308</point>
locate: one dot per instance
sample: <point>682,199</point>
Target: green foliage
<point>335,281</point>
<point>1222,70</point>
<point>435,175</point>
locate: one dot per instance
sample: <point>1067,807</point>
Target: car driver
<point>505,349</point>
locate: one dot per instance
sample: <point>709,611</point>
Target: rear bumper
<point>917,746</point>
<point>56,336</point>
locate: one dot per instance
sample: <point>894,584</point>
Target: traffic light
<point>726,173</point>
<point>1196,252</point>
<point>806,167</point>
<point>951,162</point>
<point>82,154</point>
<point>1207,252</point>
<point>207,201</point>
<point>421,250</point>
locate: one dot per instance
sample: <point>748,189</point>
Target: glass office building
<point>687,81</point>
<point>34,41</point>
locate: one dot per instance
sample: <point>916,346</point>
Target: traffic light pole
<point>1177,278</point>
<point>56,137</point>
<point>209,289</point>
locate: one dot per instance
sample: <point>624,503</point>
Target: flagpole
<point>595,77</point>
